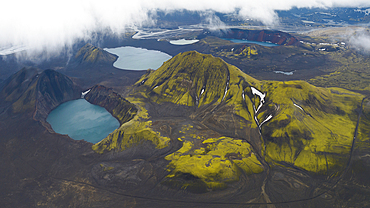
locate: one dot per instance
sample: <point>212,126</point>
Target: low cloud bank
<point>361,42</point>
<point>51,26</point>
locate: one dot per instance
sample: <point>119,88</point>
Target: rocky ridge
<point>112,101</point>
<point>38,92</point>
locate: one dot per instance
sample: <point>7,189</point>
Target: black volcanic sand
<point>105,75</point>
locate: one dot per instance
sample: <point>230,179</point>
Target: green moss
<point>248,52</point>
<point>192,78</point>
<point>182,79</point>
<point>214,41</point>
<point>132,133</point>
<point>349,72</point>
<point>216,164</point>
<point>92,54</point>
<point>310,138</point>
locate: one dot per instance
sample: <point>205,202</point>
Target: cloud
<point>361,41</point>
<point>212,21</point>
<point>52,25</point>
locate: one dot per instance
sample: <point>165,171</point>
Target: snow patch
<point>298,106</point>
<point>267,119</point>
<point>261,95</point>
<point>183,42</point>
<point>227,86</point>
<point>285,73</point>
<point>201,92</point>
<point>85,93</point>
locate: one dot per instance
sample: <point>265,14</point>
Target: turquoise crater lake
<point>82,120</point>
<point>138,58</point>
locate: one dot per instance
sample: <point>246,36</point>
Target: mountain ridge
<point>38,92</point>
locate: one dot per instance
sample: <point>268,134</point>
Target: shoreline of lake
<point>132,58</point>
<point>82,120</point>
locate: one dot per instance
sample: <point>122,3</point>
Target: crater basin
<point>80,119</point>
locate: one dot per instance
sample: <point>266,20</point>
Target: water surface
<point>183,42</point>
<point>82,120</point>
<point>285,73</point>
<point>138,58</point>
<point>250,41</point>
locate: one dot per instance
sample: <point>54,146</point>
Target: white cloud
<point>54,24</point>
<point>212,21</point>
<point>361,42</point>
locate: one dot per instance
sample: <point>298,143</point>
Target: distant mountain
<point>294,17</point>
<point>273,36</point>
<point>338,16</point>
<point>90,54</point>
<point>92,65</point>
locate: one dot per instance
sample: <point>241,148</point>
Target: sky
<point>50,25</point>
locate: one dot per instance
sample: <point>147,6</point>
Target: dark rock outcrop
<point>36,92</point>
<point>119,107</point>
<point>53,89</point>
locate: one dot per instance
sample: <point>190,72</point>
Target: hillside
<point>216,125</point>
<point>36,92</point>
<point>90,54</point>
<point>196,132</point>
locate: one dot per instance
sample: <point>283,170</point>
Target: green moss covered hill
<point>215,124</point>
<point>90,54</point>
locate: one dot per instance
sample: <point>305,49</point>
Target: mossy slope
<point>132,133</point>
<point>90,54</point>
<point>312,128</point>
<point>194,79</point>
<point>237,123</point>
